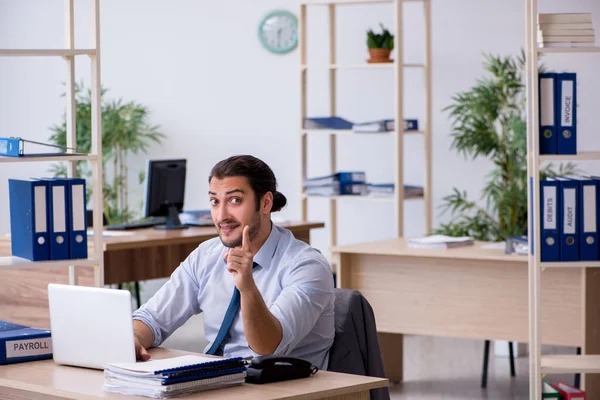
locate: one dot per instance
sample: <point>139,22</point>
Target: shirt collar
<point>265,254</point>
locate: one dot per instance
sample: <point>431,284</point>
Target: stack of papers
<point>567,29</point>
<point>440,242</point>
<point>172,377</point>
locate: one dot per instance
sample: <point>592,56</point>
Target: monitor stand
<point>173,221</point>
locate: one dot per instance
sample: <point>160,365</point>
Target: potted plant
<point>380,45</point>
<point>489,120</point>
<point>125,130</point>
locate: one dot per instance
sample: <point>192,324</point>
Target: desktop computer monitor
<point>165,189</point>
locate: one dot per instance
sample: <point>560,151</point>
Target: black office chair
<point>486,356</point>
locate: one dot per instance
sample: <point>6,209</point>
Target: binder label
<point>58,209</point>
<point>567,103</point>
<point>28,347</point>
<point>589,208</point>
<point>39,195</point>
<point>549,207</point>
<point>547,101</point>
<point>569,211</point>
<point>78,208</point>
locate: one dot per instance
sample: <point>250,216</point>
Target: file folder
<point>332,123</point>
<point>20,343</point>
<point>549,229</point>
<point>339,177</point>
<point>549,392</point>
<point>588,217</point>
<point>548,117</point>
<point>568,392</point>
<point>567,121</point>
<point>15,147</point>
<point>569,221</point>
<point>58,218</point>
<point>77,217</point>
<point>29,219</point>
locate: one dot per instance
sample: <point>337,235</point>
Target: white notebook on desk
<point>439,242</point>
<point>173,376</point>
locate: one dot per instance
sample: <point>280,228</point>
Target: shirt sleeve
<point>307,291</point>
<point>174,303</point>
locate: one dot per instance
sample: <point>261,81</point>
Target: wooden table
<point>45,380</point>
<point>146,254</point>
<point>468,292</point>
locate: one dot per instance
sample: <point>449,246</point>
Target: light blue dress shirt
<point>294,280</point>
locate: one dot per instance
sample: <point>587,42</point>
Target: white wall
<point>215,91</point>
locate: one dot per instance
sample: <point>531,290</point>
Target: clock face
<point>278,31</point>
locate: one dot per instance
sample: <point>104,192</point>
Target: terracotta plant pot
<point>379,56</point>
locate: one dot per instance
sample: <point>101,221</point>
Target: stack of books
<point>172,377</point>
<point>440,242</point>
<point>570,29</point>
<point>338,184</point>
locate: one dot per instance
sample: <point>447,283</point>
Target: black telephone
<point>270,368</point>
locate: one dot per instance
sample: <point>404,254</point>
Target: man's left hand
<point>240,262</point>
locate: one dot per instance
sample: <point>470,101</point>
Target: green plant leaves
<point>125,130</point>
<point>384,40</point>
<point>488,120</point>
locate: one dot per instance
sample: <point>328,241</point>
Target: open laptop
<point>90,326</point>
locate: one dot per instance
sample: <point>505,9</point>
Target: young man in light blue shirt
<point>261,291</point>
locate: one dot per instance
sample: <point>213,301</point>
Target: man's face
<point>232,207</point>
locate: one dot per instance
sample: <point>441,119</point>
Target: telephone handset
<point>270,368</point>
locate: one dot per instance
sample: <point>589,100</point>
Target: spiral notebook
<point>173,376</point>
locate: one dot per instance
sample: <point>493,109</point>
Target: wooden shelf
<point>580,49</point>
<point>572,264</point>
<point>581,156</point>
<point>342,2</point>
<point>351,132</point>
<point>567,364</point>
<point>358,66</point>
<point>89,157</point>
<point>21,263</point>
<point>361,197</point>
<point>46,52</point>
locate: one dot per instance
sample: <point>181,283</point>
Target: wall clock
<point>278,31</point>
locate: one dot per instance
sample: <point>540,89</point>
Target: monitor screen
<point>165,189</point>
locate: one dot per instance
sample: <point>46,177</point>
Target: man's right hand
<point>140,351</point>
<point>142,337</point>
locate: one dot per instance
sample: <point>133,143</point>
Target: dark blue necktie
<point>232,310</point>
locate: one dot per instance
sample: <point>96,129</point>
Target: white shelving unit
<point>541,365</point>
<point>398,66</point>
<point>68,54</point>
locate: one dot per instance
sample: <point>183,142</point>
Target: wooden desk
<point>147,254</point>
<point>468,292</point>
<point>45,380</point>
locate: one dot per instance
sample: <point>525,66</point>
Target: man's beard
<point>254,231</point>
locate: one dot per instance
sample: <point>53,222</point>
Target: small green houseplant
<point>380,45</point>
